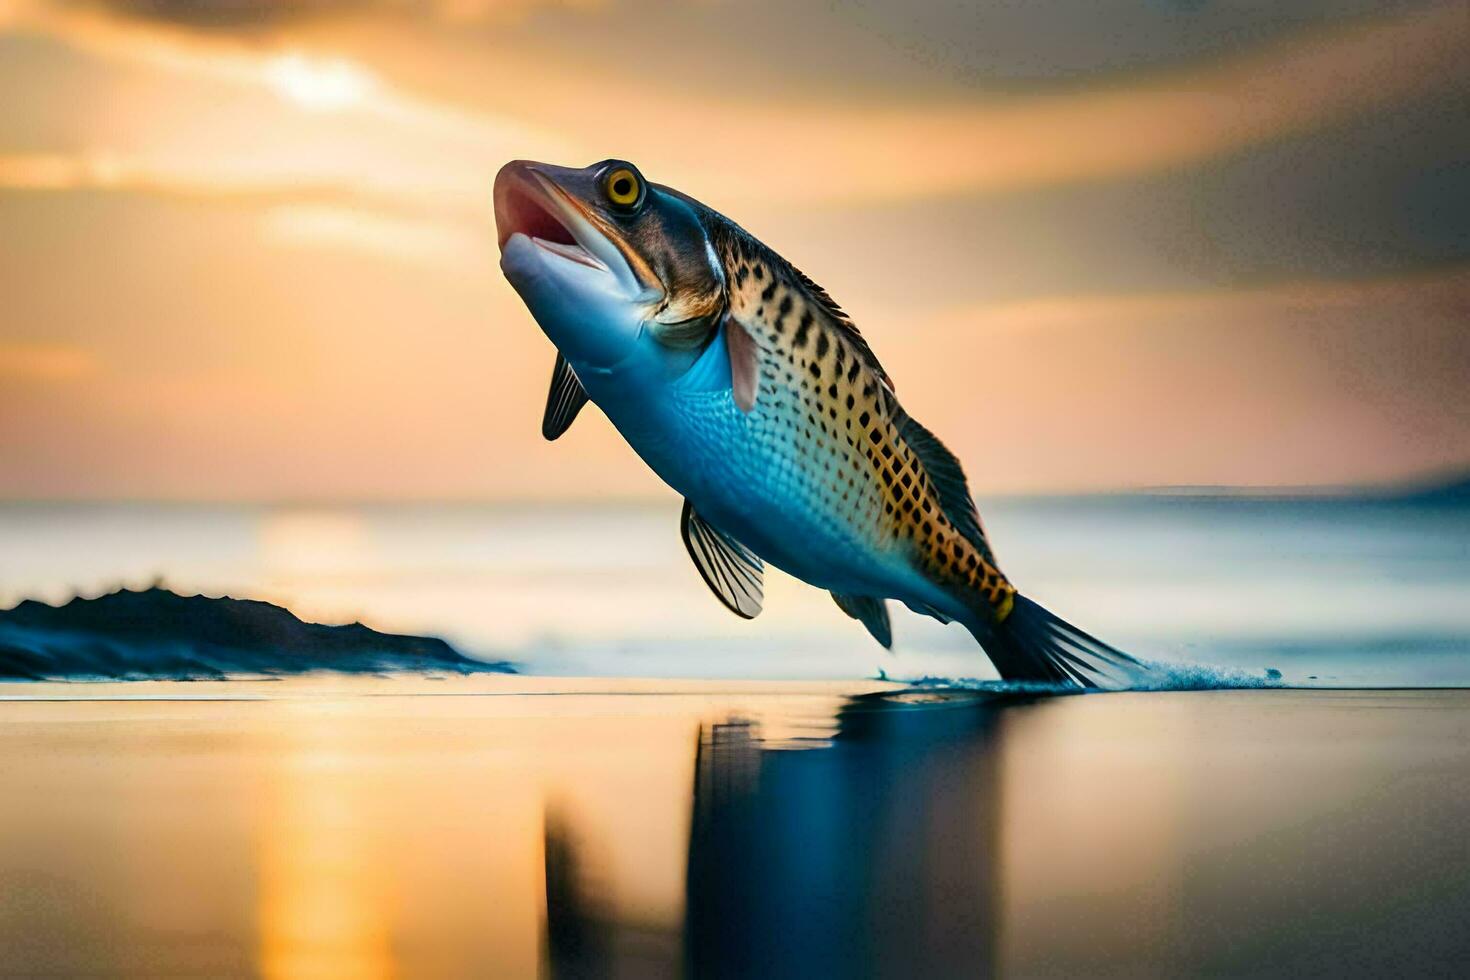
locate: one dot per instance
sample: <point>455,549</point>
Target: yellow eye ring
<point>622,187</point>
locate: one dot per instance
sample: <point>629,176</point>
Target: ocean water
<point>500,826</point>
<point>774,813</point>
<point>1329,592</point>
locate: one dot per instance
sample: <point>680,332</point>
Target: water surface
<point>511,826</point>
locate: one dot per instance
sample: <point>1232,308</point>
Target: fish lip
<point>527,200</point>
<point>572,253</point>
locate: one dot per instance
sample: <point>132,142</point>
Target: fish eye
<point>623,187</point>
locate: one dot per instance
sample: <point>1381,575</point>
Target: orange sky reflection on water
<point>378,826</point>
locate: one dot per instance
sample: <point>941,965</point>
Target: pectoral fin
<point>872,613</point>
<point>744,364</point>
<point>563,401</point>
<point>732,571</point>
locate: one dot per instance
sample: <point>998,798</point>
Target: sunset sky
<point>247,249</point>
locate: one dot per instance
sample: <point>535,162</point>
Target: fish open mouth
<point>529,204</point>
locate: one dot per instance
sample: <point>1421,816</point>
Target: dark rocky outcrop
<point>158,634</point>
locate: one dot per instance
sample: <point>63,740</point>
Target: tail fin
<point>1031,644</point>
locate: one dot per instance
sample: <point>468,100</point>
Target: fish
<point>748,390</point>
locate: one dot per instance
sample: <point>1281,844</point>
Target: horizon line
<point>1423,483</point>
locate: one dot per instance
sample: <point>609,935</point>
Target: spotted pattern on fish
<point>825,394</point>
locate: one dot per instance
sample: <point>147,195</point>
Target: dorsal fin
<point>563,401</point>
<point>949,481</point>
<point>849,329</point>
<point>748,246</point>
<point>733,572</point>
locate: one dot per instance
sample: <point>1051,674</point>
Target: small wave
<point>931,683</point>
<point>1200,677</point>
<point>1153,676</point>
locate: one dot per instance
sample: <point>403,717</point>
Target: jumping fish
<point>748,390</point>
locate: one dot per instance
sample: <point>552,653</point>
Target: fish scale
<point>842,420</point>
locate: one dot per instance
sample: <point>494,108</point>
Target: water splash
<point>1153,676</point>
<point>931,683</point>
<point>1200,677</point>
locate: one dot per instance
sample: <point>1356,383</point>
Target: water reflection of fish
<point>815,862</point>
<point>818,863</point>
<point>749,391</point>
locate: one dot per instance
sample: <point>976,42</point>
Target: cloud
<point>218,14</point>
<point>814,149</point>
<point>210,115</point>
<point>106,171</point>
<point>1443,295</point>
<point>49,172</point>
<point>45,362</point>
<point>103,171</point>
<point>430,243</point>
<point>294,216</point>
<point>1152,124</point>
<point>1297,383</point>
<point>244,16</point>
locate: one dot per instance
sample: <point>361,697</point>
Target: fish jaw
<point>578,307</point>
<point>576,281</point>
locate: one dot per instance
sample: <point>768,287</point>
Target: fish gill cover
<point>155,633</point>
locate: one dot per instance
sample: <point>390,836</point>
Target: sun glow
<point>321,84</point>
